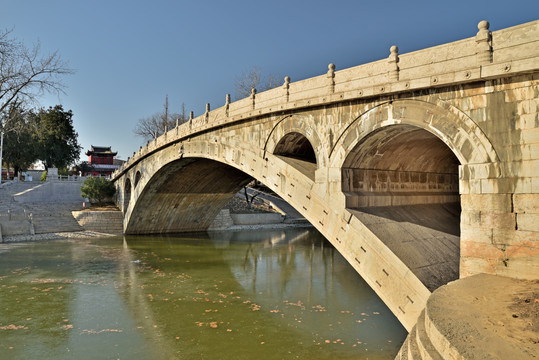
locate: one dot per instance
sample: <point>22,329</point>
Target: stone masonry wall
<point>500,200</point>
<point>109,222</point>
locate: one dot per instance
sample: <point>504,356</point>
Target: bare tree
<point>253,196</point>
<point>246,81</point>
<point>272,82</point>
<point>253,79</point>
<point>25,73</point>
<point>150,127</point>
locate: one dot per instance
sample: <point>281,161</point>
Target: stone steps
<point>478,317</point>
<point>425,345</point>
<point>403,352</point>
<point>418,345</point>
<point>55,224</point>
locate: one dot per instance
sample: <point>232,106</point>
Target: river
<point>279,294</point>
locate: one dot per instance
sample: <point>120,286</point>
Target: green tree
<point>97,188</point>
<point>25,74</point>
<point>20,149</point>
<point>57,139</point>
<point>84,168</point>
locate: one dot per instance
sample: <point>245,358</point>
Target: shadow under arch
<point>184,195</point>
<point>127,194</point>
<point>296,150</point>
<point>137,178</point>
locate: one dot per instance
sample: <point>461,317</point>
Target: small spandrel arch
<point>127,194</point>
<point>297,146</point>
<point>137,178</point>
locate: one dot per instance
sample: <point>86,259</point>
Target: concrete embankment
<point>479,317</point>
<point>37,211</point>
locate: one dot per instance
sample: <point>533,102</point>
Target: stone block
<point>464,187</point>
<point>480,250</point>
<point>528,222</point>
<point>535,185</point>
<point>519,94</point>
<point>515,237</point>
<point>470,186</point>
<point>498,220</point>
<point>471,265</point>
<point>475,234</point>
<point>520,267</point>
<point>480,171</point>
<point>527,121</point>
<point>502,185</point>
<point>472,217</point>
<point>526,203</point>
<point>523,185</point>
<point>528,106</point>
<point>530,136</point>
<point>487,202</point>
<point>521,169</point>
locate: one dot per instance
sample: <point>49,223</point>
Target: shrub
<point>97,188</point>
<point>43,176</point>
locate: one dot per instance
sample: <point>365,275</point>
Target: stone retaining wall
<point>109,222</point>
<point>225,219</point>
<point>257,219</point>
<point>15,227</point>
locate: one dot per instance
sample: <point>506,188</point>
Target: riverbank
<point>56,220</point>
<point>55,236</point>
<point>92,234</point>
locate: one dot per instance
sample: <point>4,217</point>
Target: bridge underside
<point>184,196</point>
<point>422,236</point>
<point>402,183</point>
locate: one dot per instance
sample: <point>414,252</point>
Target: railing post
<point>191,114</point>
<point>253,96</point>
<point>207,113</point>
<point>227,104</point>
<point>484,43</point>
<point>331,77</point>
<point>393,60</point>
<point>286,87</point>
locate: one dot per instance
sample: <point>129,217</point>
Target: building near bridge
<point>101,160</point>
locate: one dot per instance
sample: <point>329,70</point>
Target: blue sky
<point>128,55</point>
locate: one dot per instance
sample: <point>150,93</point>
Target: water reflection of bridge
<point>300,281</point>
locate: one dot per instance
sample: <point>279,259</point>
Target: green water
<point>285,294</point>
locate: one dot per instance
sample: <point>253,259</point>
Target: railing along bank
<point>486,56</point>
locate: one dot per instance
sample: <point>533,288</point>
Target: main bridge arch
<point>182,185</point>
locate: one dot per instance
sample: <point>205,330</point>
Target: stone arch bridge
<point>420,168</point>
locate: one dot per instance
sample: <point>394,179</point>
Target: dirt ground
<point>489,317</point>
